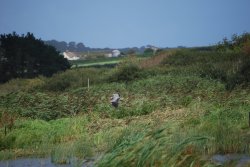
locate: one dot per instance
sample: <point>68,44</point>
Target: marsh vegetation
<point>179,108</point>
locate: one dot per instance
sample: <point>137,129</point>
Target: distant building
<point>70,56</point>
<point>108,55</point>
<point>153,48</point>
<point>116,53</point>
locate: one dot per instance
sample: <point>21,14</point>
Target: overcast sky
<point>127,23</point>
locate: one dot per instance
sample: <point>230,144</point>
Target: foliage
<point>148,51</point>
<point>177,112</point>
<point>240,44</point>
<point>112,61</point>
<point>155,60</point>
<point>231,68</point>
<point>28,57</point>
<point>18,84</point>
<point>241,77</point>
<point>237,42</point>
<point>213,72</point>
<point>74,79</point>
<point>44,106</point>
<point>128,70</point>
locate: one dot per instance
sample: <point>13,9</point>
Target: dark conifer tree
<point>26,57</point>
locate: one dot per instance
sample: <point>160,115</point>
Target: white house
<point>153,48</point>
<point>70,56</point>
<point>116,53</point>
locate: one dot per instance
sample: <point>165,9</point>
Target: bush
<point>46,106</point>
<point>242,77</point>
<point>180,58</point>
<point>245,71</point>
<point>74,79</point>
<point>138,109</point>
<point>210,71</point>
<point>18,84</point>
<point>148,52</point>
<point>125,72</point>
<point>58,83</point>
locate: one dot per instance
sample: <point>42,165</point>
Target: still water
<point>44,162</point>
<point>239,160</point>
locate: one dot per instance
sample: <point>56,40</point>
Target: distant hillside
<point>63,46</point>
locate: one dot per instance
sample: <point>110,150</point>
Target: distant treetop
<point>26,57</point>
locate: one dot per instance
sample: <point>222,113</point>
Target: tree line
<point>63,46</point>
<point>27,57</point>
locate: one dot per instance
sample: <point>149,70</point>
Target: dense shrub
<point>59,82</point>
<point>180,58</point>
<point>187,57</point>
<point>246,48</point>
<point>236,43</point>
<point>245,71</point>
<point>126,71</point>
<point>74,79</point>
<point>46,106</point>
<point>242,77</point>
<point>230,67</point>
<point>210,71</point>
<point>18,84</point>
<point>148,52</point>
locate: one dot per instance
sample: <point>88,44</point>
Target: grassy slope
<point>100,61</point>
<point>170,117</point>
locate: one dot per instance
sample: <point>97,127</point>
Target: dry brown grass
<point>246,48</point>
<point>7,121</point>
<point>154,118</point>
<point>155,60</point>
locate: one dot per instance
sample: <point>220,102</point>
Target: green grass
<point>97,61</point>
<point>178,113</point>
<point>103,61</point>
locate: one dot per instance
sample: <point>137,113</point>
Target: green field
<point>178,108</point>
<point>94,63</point>
<point>101,61</point>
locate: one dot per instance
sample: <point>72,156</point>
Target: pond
<point>240,160</point>
<point>45,162</point>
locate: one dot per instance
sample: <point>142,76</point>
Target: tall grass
<point>177,112</point>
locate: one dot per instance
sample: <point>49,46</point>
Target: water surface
<point>240,160</point>
<point>44,162</point>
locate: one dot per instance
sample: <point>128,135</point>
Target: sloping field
<point>103,62</point>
